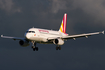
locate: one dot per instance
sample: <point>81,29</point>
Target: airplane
<point>44,36</point>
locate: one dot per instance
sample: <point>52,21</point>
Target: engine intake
<point>58,41</point>
<point>24,43</point>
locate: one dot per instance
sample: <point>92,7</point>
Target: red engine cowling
<point>58,41</point>
<point>24,43</point>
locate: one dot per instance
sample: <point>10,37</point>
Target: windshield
<point>30,31</point>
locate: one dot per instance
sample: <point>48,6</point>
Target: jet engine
<point>58,41</point>
<point>24,43</point>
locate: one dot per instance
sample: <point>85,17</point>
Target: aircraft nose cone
<point>27,36</point>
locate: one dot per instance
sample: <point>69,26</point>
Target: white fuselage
<point>44,36</point>
<point>41,35</point>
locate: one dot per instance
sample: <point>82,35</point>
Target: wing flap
<point>14,38</point>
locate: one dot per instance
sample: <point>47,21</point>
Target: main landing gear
<point>34,46</point>
<point>58,48</point>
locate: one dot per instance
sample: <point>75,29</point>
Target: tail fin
<point>63,24</point>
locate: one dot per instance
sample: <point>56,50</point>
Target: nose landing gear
<point>34,46</point>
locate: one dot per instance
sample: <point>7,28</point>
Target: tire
<point>36,48</point>
<point>59,48</point>
<point>33,49</point>
<point>56,48</point>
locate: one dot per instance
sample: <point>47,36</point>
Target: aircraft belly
<point>35,38</point>
<point>40,40</point>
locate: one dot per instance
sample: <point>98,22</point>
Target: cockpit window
<point>33,31</point>
<point>30,31</point>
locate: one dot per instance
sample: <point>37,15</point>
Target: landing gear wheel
<point>56,48</point>
<point>59,48</point>
<point>33,49</point>
<point>36,48</point>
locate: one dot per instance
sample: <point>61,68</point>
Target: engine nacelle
<point>58,41</point>
<point>24,43</point>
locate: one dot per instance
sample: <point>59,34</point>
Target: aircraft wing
<point>76,36</point>
<point>81,35</point>
<point>14,38</point>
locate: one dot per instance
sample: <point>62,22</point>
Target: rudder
<point>63,24</point>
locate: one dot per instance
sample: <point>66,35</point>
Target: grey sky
<point>84,16</point>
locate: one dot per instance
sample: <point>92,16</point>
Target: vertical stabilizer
<point>63,24</point>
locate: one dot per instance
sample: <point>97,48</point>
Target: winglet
<point>1,35</point>
<point>102,32</point>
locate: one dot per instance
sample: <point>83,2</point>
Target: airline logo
<point>34,34</point>
<point>63,24</point>
<point>43,31</point>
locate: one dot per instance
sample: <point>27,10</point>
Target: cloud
<point>58,5</point>
<point>81,54</point>
<point>9,6</point>
<point>93,8</point>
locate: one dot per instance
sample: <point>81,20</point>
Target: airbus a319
<point>44,36</point>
